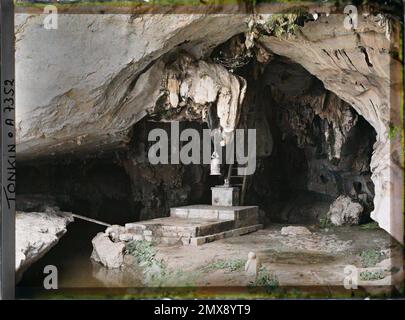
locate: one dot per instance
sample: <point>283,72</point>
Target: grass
<point>370,226</point>
<point>370,257</point>
<point>265,279</point>
<point>325,222</point>
<point>393,131</point>
<point>144,253</point>
<point>155,271</point>
<point>235,265</point>
<point>372,275</point>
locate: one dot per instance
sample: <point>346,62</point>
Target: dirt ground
<point>326,258</point>
<point>300,266</point>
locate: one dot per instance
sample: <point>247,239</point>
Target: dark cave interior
<point>311,148</point>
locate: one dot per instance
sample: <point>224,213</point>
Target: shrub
<point>144,252</point>
<point>370,257</point>
<point>372,275</point>
<point>265,279</point>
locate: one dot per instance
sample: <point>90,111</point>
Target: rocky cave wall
<point>117,187</point>
<point>320,149</point>
<point>321,146</point>
<point>90,102</point>
<point>362,68</point>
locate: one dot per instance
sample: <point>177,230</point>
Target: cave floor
<point>315,260</point>
<point>311,265</point>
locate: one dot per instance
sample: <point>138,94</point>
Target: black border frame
<point>8,156</point>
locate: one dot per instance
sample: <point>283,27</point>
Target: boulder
<point>126,237</point>
<point>36,234</point>
<point>114,232</point>
<point>110,254</point>
<point>295,231</point>
<point>345,211</point>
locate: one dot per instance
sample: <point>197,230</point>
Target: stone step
<point>197,224</point>
<point>208,212</point>
<point>161,230</point>
<point>197,241</point>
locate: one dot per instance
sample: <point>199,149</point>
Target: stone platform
<point>197,224</point>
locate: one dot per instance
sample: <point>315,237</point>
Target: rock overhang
<point>81,111</point>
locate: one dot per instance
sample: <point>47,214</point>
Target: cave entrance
<point>312,147</point>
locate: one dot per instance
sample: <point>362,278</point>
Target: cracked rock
<point>36,234</point>
<point>109,254</point>
<point>345,211</point>
<point>294,231</point>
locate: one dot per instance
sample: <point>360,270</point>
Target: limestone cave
<point>326,191</point>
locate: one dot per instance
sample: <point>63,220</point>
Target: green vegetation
<point>265,279</point>
<point>286,24</point>
<point>231,265</point>
<point>372,275</point>
<point>370,226</point>
<point>370,257</point>
<point>144,253</point>
<point>393,132</point>
<point>155,271</point>
<point>325,222</point>
<point>282,25</point>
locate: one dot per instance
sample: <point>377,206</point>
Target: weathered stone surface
<point>345,211</point>
<point>114,232</point>
<point>225,196</point>
<point>36,234</point>
<point>89,102</point>
<point>295,231</point>
<point>358,67</point>
<point>187,88</point>
<point>109,254</point>
<point>252,265</point>
<point>126,237</point>
<point>87,98</point>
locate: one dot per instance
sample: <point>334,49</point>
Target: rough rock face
<point>85,101</point>
<point>159,187</point>
<point>36,234</point>
<point>116,188</point>
<point>303,98</point>
<point>88,101</point>
<point>344,211</point>
<point>358,67</point>
<point>322,147</point>
<point>186,88</point>
<point>110,254</point>
<point>320,122</point>
<point>109,247</point>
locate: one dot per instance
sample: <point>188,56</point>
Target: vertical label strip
<point>8,152</point>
